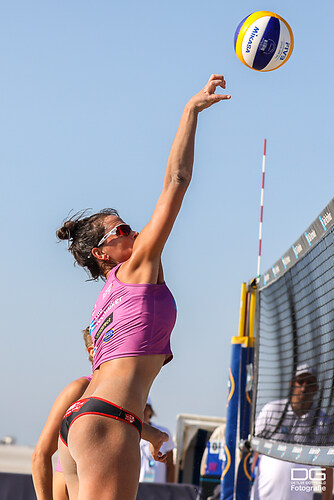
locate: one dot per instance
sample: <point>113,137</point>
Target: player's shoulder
<point>75,388</point>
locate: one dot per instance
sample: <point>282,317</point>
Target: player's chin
<point>127,251</point>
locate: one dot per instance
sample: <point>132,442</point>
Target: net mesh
<point>295,353</point>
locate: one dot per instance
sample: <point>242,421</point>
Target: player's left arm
<point>156,438</point>
<point>170,467</point>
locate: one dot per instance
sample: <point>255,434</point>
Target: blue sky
<point>92,93</point>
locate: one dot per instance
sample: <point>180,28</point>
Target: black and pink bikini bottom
<point>96,406</point>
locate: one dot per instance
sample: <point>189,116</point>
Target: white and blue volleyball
<point>263,41</point>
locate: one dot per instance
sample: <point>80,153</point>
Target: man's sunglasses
<point>120,230</point>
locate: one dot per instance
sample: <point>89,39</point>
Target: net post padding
<point>236,476</point>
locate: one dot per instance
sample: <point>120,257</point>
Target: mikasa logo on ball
<point>251,38</point>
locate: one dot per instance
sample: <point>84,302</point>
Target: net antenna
<point>258,273</point>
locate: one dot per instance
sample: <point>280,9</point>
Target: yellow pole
<point>246,330</point>
<point>243,304</point>
<point>251,321</point>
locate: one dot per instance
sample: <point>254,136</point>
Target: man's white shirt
<point>273,479</point>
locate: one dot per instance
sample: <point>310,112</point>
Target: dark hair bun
<point>68,230</point>
<point>84,232</point>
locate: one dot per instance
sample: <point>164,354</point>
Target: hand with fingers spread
<point>207,97</point>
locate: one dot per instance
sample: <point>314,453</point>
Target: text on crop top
<point>132,320</point>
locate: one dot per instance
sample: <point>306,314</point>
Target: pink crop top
<point>132,320</point>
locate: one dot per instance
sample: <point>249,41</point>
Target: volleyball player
<point>131,326</point>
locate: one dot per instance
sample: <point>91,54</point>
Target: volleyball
<point>263,41</point>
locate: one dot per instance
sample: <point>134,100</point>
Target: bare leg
<point>69,470</point>
<point>59,486</point>
<point>107,456</point>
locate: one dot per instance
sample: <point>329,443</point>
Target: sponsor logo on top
<point>104,325</point>
<point>108,336</point>
<point>98,318</point>
<point>107,291</point>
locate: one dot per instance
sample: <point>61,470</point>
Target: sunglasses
<point>120,230</point>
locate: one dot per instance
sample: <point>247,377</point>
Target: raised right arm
<point>150,242</point>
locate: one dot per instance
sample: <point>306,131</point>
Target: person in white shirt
<point>150,470</point>
<point>291,420</point>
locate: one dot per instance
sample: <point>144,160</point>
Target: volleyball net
<point>294,354</point>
